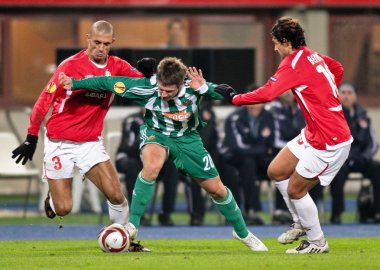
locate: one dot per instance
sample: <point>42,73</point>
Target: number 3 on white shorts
<point>208,162</point>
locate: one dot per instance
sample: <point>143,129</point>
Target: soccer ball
<point>114,238</point>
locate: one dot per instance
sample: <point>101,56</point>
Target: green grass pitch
<point>345,254</point>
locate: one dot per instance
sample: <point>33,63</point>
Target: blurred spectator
<point>176,34</point>
<point>361,154</point>
<point>128,162</point>
<point>249,136</point>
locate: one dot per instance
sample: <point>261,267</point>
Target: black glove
<point>226,91</point>
<point>147,66</point>
<point>26,150</point>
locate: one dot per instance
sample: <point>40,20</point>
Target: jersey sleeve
<point>43,103</point>
<point>138,89</point>
<point>335,67</point>
<point>284,79</point>
<point>208,89</point>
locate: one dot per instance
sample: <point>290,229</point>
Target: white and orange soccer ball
<point>114,238</point>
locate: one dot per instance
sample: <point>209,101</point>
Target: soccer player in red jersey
<point>317,153</point>
<point>73,131</point>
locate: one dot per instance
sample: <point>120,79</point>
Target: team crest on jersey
<point>108,73</point>
<point>51,88</point>
<point>187,102</point>
<point>119,87</point>
<point>177,116</point>
<point>151,138</point>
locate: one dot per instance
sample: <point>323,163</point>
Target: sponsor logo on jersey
<point>273,79</point>
<point>178,116</point>
<point>151,138</point>
<point>51,88</point>
<point>119,87</point>
<point>96,95</point>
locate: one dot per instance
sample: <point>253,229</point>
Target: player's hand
<point>65,81</point>
<point>196,78</point>
<point>226,91</point>
<point>147,66</point>
<point>26,150</point>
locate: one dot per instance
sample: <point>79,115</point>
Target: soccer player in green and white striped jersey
<point>171,120</point>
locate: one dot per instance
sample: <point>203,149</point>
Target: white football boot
<point>251,241</point>
<point>294,232</point>
<point>306,247</point>
<point>134,247</point>
<point>131,229</point>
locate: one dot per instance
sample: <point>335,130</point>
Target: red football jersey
<point>77,115</point>
<point>313,79</point>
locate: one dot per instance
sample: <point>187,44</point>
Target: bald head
<point>101,27</point>
<point>99,41</point>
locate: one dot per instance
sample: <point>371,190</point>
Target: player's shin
<point>308,213</point>
<point>141,196</point>
<point>119,213</point>
<point>231,211</point>
<point>282,186</point>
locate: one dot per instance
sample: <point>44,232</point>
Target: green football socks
<point>142,194</point>
<point>231,211</point>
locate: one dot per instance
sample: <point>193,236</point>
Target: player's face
<point>167,92</point>
<point>99,45</point>
<point>281,48</point>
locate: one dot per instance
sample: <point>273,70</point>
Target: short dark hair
<point>289,29</point>
<point>171,70</point>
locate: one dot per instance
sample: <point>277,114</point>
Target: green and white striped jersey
<point>173,118</point>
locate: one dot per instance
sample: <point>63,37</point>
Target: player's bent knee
<point>63,209</point>
<point>219,193</point>
<point>295,193</point>
<point>116,198</point>
<point>275,174</point>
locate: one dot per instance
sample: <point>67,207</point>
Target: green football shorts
<point>187,152</point>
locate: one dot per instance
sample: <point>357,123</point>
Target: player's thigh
<point>153,155</point>
<point>191,157</point>
<point>105,177</point>
<point>283,165</point>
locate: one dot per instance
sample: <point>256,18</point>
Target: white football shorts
<point>60,157</point>
<point>323,164</point>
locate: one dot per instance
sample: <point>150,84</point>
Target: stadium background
<point>32,31</point>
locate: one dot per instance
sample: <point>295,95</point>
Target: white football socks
<point>308,214</point>
<point>283,188</point>
<point>119,213</point>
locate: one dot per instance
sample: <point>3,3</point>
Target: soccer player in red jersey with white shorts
<point>73,131</point>
<point>317,154</point>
